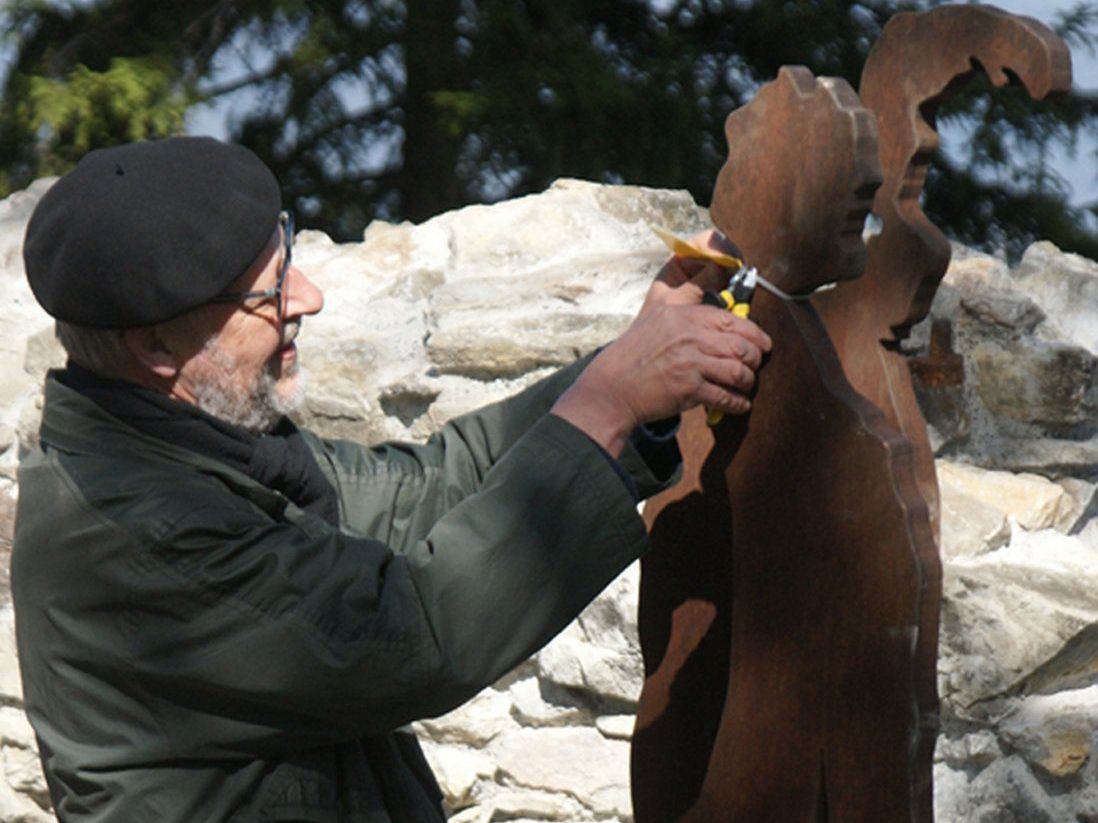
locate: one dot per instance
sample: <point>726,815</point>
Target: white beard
<point>256,406</point>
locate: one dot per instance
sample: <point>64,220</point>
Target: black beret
<point>141,233</point>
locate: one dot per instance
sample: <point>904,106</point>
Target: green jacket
<point>194,647</point>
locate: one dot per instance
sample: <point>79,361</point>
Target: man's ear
<point>151,352</point>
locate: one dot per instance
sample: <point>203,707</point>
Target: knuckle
<point>747,379</point>
<point>736,403</point>
<point>740,377</point>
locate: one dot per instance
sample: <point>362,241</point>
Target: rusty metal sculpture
<point>926,55</point>
<point>789,611</point>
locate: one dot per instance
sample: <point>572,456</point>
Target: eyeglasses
<point>286,221</point>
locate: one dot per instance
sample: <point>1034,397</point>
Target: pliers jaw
<point>742,284</point>
<point>736,296</point>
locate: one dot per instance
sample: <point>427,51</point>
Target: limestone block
<point>23,772</point>
<point>1047,456</point>
<point>351,275</point>
<point>19,389</point>
<point>975,750</point>
<point>1029,398</point>
<point>458,770</point>
<point>490,326</point>
<point>11,686</point>
<point>409,400</point>
<point>351,362</point>
<point>1079,506</point>
<point>640,206</point>
<point>15,730</point>
<point>489,344</point>
<point>343,407</point>
<point>1064,285</point>
<point>458,395</point>
<point>391,247</point>
<point>473,814</point>
<point>15,383</point>
<point>474,723</point>
<point>15,211</point>
<point>969,525</point>
<point>946,415</point>
<point>578,761</point>
<point>571,661</point>
<point>616,726</point>
<point>950,786</point>
<point>542,230</point>
<point>978,291</point>
<point>1004,309</point>
<point>30,419</point>
<point>1033,501</point>
<point>1018,620</point>
<point>973,272</point>
<point>600,652</point>
<point>18,808</point>
<point>518,804</point>
<point>7,528</point>
<point>538,280</point>
<point>22,317</point>
<point>1048,383</point>
<point>1004,791</point>
<point>1058,732</point>
<point>530,708</point>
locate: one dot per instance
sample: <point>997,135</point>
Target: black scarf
<point>278,459</point>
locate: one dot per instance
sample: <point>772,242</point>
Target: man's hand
<point>675,355</point>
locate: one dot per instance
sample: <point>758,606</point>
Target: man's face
<point>245,370</point>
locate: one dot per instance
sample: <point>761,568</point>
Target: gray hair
<point>99,350</point>
<point>103,350</point>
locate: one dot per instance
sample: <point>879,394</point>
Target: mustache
<point>290,330</point>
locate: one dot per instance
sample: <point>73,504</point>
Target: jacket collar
<point>72,423</point>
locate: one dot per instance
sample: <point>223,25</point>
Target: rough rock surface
<point>1025,338</point>
<point>425,322</point>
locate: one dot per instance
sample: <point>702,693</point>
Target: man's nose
<point>302,295</point>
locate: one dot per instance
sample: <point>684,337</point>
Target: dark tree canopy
<point>401,110</point>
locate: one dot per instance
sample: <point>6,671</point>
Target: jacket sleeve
<point>396,491</point>
<point>316,633</point>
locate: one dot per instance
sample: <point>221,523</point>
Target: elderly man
<point>224,617</point>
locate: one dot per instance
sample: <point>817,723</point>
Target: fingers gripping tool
<point>736,298</point>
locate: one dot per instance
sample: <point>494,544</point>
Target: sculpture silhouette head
<point>802,156</point>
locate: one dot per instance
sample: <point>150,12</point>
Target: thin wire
<point>770,287</point>
<point>687,249</point>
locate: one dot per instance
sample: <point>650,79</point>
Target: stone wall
<point>425,322</point>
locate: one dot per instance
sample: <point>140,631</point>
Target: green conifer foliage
<point>401,109</point>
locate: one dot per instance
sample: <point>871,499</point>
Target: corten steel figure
<point>917,62</point>
<point>790,643</point>
<point>737,708</point>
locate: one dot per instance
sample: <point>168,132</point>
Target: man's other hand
<point>675,355</point>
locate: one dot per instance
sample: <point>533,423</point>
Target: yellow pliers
<point>735,297</point>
